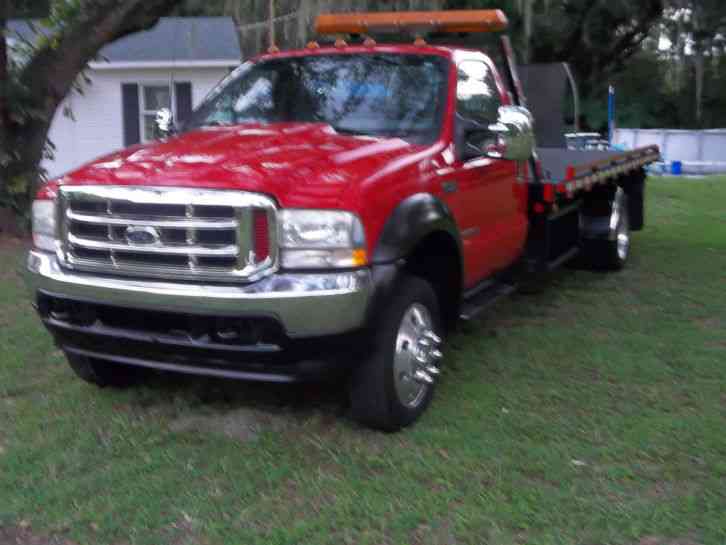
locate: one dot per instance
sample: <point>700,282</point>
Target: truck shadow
<point>241,409</point>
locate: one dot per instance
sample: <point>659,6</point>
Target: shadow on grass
<point>240,409</point>
<point>213,392</point>
<point>187,396</point>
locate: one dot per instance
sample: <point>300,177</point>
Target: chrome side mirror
<point>164,123</point>
<point>513,135</point>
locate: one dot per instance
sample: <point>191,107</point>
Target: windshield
<point>372,94</point>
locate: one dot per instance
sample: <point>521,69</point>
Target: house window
<point>153,98</point>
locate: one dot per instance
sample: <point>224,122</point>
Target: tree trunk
<point>50,75</point>
<point>527,15</point>
<point>699,47</point>
<point>699,65</point>
<point>3,83</point>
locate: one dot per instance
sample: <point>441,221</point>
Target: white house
<point>173,65</point>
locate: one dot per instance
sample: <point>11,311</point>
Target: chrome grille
<point>165,232</point>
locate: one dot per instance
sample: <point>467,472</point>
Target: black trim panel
<point>130,335</point>
<point>187,343</point>
<point>635,190</point>
<point>187,369</point>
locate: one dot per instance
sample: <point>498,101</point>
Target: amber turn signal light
<point>484,20</point>
<point>360,257</point>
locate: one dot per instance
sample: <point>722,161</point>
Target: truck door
<point>486,203</point>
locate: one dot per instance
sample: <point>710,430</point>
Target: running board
<point>564,258</point>
<point>472,307</point>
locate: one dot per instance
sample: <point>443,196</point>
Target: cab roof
<point>448,51</point>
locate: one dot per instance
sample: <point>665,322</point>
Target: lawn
<point>591,413</point>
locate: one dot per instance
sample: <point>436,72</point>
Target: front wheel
<point>394,385</point>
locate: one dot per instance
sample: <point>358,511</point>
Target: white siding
<point>97,125</point>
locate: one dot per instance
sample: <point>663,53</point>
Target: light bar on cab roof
<point>484,20</point>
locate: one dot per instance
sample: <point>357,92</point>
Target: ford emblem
<point>142,236</point>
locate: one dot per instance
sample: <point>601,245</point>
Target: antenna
<point>172,84</point>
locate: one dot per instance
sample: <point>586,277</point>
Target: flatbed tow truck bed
<point>564,182</point>
<point>564,172</point>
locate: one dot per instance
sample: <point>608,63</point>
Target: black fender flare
<point>411,221</point>
<point>414,219</point>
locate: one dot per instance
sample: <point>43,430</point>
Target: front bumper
<point>284,328</point>
<point>306,305</point>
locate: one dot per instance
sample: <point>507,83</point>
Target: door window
<point>477,95</point>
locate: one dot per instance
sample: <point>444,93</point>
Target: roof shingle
<point>172,39</point>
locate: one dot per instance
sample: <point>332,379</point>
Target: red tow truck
<point>331,210</point>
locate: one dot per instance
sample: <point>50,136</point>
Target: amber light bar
<point>484,20</point>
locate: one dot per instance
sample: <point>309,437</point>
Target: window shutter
<point>183,94</point>
<point>130,107</point>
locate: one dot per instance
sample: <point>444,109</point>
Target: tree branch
<point>574,40</point>
<point>54,67</point>
<point>51,72</point>
<point>627,44</point>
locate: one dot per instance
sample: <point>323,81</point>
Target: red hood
<point>298,164</point>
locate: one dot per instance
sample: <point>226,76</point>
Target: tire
<point>383,391</point>
<point>612,253</point>
<point>102,373</point>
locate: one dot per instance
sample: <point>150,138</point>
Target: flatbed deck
<point>565,171</point>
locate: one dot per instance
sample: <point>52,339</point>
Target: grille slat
<point>166,232</point>
<point>160,249</point>
<point>118,219</point>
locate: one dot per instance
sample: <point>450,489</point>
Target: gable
<point>179,39</point>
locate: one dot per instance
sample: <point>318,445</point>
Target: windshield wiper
<point>348,130</point>
<point>215,124</point>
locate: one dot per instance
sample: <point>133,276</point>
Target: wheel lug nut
<point>423,376</point>
<point>432,370</point>
<point>436,354</point>
<point>433,337</point>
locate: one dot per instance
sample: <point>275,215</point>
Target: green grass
<point>592,413</point>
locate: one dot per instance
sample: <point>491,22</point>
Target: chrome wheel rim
<point>416,355</point>
<point>623,236</point>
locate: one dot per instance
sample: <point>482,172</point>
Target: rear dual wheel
<point>612,253</point>
<point>394,385</point>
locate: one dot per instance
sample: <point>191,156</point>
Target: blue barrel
<point>676,168</point>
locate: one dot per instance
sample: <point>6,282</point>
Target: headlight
<point>44,225</point>
<point>321,239</point>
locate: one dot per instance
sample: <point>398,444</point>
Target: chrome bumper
<point>307,305</point>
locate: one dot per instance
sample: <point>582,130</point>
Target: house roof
<point>174,41</point>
